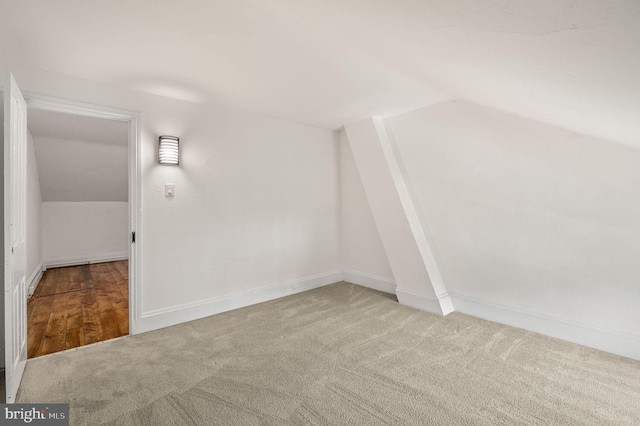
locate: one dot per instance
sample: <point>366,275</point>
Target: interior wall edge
<point>34,278</point>
<point>608,340</point>
<point>371,281</point>
<point>174,315</point>
<point>362,250</point>
<point>388,201</point>
<point>411,209</point>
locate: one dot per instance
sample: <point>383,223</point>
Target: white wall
<point>256,204</point>
<point>76,232</point>
<point>256,199</point>
<point>526,216</point>
<point>362,250</point>
<point>34,219</point>
<point>83,178</point>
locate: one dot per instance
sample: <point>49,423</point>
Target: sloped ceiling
<point>79,158</point>
<point>570,63</point>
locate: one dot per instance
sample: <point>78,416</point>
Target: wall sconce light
<point>169,150</point>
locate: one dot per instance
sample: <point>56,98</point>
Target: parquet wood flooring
<point>78,305</point>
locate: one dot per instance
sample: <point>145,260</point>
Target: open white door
<point>15,255</point>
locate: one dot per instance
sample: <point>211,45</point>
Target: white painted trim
<point>370,281</point>
<point>161,318</point>
<point>401,183</point>
<point>57,262</point>
<point>68,106</point>
<point>422,301</point>
<point>613,341</point>
<point>135,222</point>
<point>446,303</point>
<point>34,279</point>
<point>134,119</point>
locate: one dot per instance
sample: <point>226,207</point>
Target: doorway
<point>77,231</point>
<point>96,270</point>
<point>14,309</point>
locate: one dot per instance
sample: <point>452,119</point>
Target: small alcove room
<point>77,231</point>
<point>328,212</point>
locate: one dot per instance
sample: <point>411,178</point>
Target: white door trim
<point>48,103</point>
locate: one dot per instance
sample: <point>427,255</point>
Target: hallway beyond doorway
<point>78,305</point>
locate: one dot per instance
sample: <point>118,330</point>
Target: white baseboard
<point>56,262</point>
<point>446,303</point>
<point>161,318</point>
<point>624,344</point>
<point>440,305</point>
<point>34,279</point>
<point>374,282</point>
<point>607,340</point>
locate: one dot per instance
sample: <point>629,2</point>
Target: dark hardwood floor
<point>78,305</point>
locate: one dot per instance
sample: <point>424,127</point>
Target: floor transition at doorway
<point>78,305</point>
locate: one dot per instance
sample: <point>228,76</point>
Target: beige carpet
<point>341,355</point>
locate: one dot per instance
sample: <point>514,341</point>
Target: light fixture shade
<point>169,150</point>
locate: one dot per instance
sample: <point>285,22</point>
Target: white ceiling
<point>572,63</point>
<point>58,125</point>
<point>79,158</point>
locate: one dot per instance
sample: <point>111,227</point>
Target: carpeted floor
<point>343,355</point>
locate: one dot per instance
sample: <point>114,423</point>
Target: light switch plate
<point>169,190</point>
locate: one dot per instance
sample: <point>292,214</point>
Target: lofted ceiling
<point>570,63</point>
<point>56,125</point>
<point>79,158</point>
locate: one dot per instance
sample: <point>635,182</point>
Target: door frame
<point>133,118</point>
